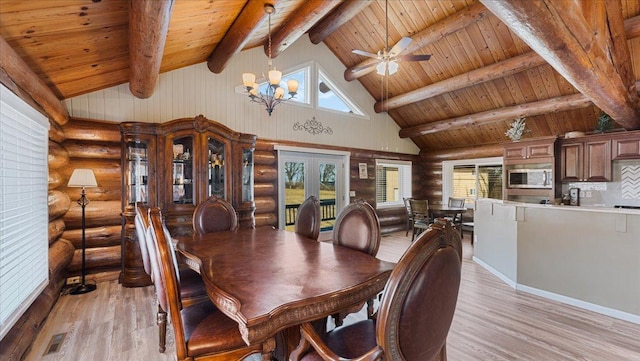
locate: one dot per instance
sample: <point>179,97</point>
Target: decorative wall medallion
<point>313,126</point>
<point>631,182</point>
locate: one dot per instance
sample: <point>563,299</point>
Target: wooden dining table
<point>445,211</point>
<point>270,280</point>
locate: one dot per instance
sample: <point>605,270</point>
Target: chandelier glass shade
<point>273,93</point>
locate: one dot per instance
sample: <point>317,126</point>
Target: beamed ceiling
<point>558,63</point>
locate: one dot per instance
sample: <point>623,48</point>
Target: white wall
<point>195,90</point>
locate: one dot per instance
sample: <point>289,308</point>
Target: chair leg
<point>162,329</point>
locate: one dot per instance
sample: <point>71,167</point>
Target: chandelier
<point>274,93</point>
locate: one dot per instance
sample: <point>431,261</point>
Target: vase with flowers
<point>517,129</point>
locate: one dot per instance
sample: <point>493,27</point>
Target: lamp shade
<point>82,178</point>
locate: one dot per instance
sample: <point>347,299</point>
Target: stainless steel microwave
<point>529,178</point>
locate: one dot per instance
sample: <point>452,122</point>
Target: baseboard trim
<point>611,312</point>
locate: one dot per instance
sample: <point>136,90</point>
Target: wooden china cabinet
<point>175,166</point>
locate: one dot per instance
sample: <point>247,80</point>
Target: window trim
<point>405,181</point>
<point>447,173</point>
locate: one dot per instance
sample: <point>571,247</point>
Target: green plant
<point>518,127</point>
<point>605,122</point>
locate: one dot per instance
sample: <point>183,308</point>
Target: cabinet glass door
<point>247,175</point>
<point>137,164</point>
<point>216,166</point>
<point>183,172</point>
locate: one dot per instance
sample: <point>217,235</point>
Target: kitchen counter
<point>585,256</point>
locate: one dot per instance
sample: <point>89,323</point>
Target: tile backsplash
<point>623,190</point>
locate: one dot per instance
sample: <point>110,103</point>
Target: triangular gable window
<point>332,98</point>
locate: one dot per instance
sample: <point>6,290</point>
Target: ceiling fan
<point>388,58</point>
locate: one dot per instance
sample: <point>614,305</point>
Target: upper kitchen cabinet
<point>586,159</point>
<point>537,150</point>
<point>626,145</point>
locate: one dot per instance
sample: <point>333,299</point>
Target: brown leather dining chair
<point>201,330</point>
<point>415,313</point>
<point>214,215</point>
<point>192,288</point>
<point>357,227</point>
<point>308,218</point>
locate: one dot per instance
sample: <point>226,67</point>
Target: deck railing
<point>327,212</point>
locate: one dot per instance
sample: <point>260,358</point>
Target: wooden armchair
<point>420,216</point>
<point>214,215</point>
<point>201,330</point>
<point>308,218</point>
<point>407,206</point>
<point>192,289</point>
<point>457,219</point>
<point>357,227</point>
<point>415,313</point>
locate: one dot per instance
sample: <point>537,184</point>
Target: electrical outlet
<point>352,193</point>
<point>73,280</point>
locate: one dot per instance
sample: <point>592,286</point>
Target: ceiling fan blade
<point>414,57</point>
<point>364,67</point>
<point>364,53</point>
<point>400,46</point>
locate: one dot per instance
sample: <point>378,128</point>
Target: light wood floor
<point>492,322</point>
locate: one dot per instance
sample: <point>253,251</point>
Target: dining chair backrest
<point>358,227</point>
<point>168,284</point>
<point>214,215</point>
<point>141,222</point>
<point>420,296</point>
<point>308,218</point>
<point>419,209</point>
<point>456,202</point>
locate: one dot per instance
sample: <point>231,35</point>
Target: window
<point>472,179</point>
<point>393,183</point>
<point>24,218</point>
<point>302,76</point>
<point>330,97</point>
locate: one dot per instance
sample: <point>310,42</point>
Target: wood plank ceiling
<point>556,62</point>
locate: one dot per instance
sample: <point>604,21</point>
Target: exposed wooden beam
<point>558,32</point>
<point>491,72</point>
<point>148,27</point>
<point>14,72</point>
<point>481,151</point>
<point>345,12</point>
<point>439,30</point>
<point>251,18</point>
<point>552,105</point>
<point>632,27</point>
<point>305,17</point>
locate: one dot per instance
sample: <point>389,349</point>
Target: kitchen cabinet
<point>626,145</point>
<point>175,166</point>
<point>586,159</point>
<point>538,150</point>
<point>536,153</point>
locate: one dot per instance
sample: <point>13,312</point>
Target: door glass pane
<point>464,182</point>
<point>294,192</point>
<point>216,168</point>
<point>183,170</point>
<point>327,181</point>
<point>490,181</point>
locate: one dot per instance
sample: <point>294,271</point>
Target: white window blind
<point>24,220</point>
<point>393,182</point>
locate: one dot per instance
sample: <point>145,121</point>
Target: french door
<point>303,172</point>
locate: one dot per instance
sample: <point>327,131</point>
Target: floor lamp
<point>83,178</point>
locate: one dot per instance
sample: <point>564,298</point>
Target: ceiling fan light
<point>393,67</point>
<point>381,67</point>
